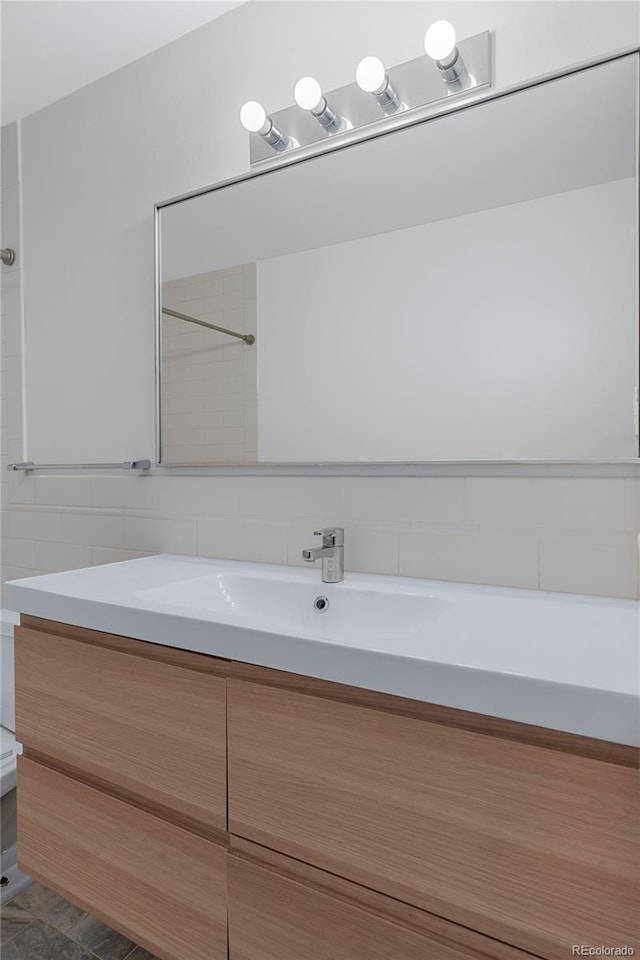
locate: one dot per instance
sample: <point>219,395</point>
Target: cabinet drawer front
<point>150,728</point>
<point>156,883</point>
<point>531,846</point>
<point>273,916</point>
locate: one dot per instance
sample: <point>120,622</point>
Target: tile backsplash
<point>567,534</point>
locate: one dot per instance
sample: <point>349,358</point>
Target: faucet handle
<point>331,536</point>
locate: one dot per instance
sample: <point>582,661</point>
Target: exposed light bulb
<point>440,45</point>
<point>253,117</point>
<point>308,94</point>
<point>371,75</point>
<point>440,40</point>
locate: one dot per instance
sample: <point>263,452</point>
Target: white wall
<point>95,163</point>
<point>507,334</point>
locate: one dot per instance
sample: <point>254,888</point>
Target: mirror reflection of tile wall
<point>209,394</point>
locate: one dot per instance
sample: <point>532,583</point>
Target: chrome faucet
<point>331,553</point>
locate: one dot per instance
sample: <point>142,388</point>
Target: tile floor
<point>39,925</point>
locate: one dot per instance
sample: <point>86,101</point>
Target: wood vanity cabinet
<point>155,882</point>
<point>122,784</point>
<point>209,809</point>
<point>147,720</point>
<point>281,909</point>
<point>526,835</point>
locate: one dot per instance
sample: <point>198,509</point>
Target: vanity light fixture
<point>440,45</point>
<point>463,68</point>
<point>309,96</point>
<point>253,118</point>
<point>372,77</point>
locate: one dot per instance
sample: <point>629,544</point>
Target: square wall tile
<point>289,496</point>
<point>34,525</point>
<point>564,503</point>
<point>197,497</point>
<point>62,491</point>
<point>597,568</point>
<point>115,555</point>
<point>157,535</point>
<point>18,553</point>
<point>371,550</point>
<point>420,499</point>
<point>474,558</point>
<point>94,531</point>
<point>54,557</point>
<point>137,492</point>
<point>21,486</point>
<point>243,540</point>
<point>19,573</point>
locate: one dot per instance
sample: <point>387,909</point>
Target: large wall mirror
<point>464,288</point>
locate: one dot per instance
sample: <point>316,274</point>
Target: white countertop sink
<point>295,602</point>
<point>566,662</point>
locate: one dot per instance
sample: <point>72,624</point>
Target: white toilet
<point>12,880</point>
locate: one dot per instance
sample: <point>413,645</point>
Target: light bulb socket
<point>453,71</point>
<point>274,136</point>
<point>327,117</point>
<point>387,98</point>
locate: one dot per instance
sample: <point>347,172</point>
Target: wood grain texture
<point>438,937</point>
<point>201,662</point>
<point>150,728</point>
<point>157,884</point>
<point>604,750</point>
<point>156,809</point>
<point>273,917</point>
<point>528,845</point>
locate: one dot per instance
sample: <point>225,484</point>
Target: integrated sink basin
<point>297,602</point>
<point>566,662</point>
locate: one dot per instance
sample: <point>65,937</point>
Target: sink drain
<point>321,604</point>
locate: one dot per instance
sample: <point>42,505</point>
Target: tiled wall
<point>577,535</point>
<point>11,426</point>
<point>209,390</point>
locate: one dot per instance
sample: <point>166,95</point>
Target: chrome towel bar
<point>29,465</point>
